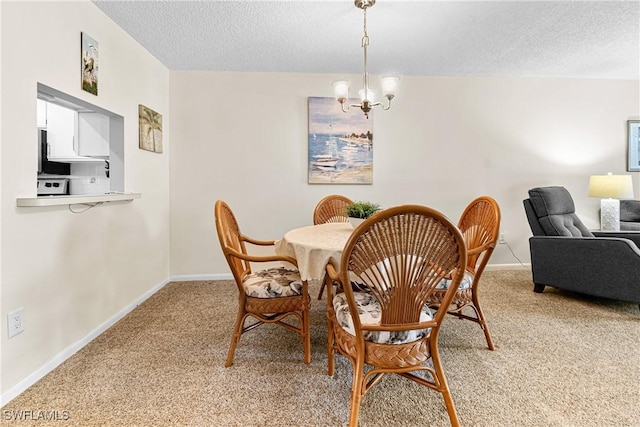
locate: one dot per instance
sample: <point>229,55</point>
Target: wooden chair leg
<point>330,351</point>
<point>306,335</point>
<point>356,393</point>
<point>444,389</point>
<point>485,328</point>
<point>235,337</point>
<point>322,286</point>
<point>451,408</point>
<point>482,320</point>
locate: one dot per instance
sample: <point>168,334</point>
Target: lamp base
<point>610,215</point>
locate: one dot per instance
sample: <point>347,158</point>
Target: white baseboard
<point>497,267</point>
<point>229,276</point>
<point>194,277</point>
<point>35,376</point>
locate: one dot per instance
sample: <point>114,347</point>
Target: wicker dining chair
<point>268,296</point>
<point>399,256</point>
<point>332,208</point>
<point>480,225</point>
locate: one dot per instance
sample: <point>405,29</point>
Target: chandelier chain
<point>365,76</point>
<point>365,38</point>
<point>389,83</point>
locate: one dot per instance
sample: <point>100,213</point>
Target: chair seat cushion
<point>273,283</point>
<point>465,283</point>
<point>369,312</point>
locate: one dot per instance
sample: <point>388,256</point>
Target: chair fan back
<point>230,239</point>
<point>480,226</point>
<point>400,255</point>
<point>332,208</point>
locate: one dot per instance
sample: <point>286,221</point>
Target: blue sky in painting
<point>325,111</point>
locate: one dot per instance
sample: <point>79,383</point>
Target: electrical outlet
<point>502,239</point>
<point>15,322</point>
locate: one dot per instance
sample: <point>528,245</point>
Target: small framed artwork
<point>633,137</point>
<point>89,63</point>
<point>150,128</point>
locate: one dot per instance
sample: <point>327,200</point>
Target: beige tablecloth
<point>315,246</point>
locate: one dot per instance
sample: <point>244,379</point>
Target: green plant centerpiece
<point>362,210</point>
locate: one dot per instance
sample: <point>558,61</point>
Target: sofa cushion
<point>556,212</point>
<point>630,210</point>
<point>629,226</point>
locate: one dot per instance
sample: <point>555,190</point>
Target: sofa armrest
<point>634,236</point>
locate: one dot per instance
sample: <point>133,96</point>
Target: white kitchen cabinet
<point>93,134</point>
<point>61,130</point>
<point>42,113</point>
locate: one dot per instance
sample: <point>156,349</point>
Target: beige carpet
<point>561,359</point>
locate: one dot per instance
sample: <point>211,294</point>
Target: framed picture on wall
<point>340,144</point>
<point>150,128</point>
<point>89,63</point>
<point>633,135</point>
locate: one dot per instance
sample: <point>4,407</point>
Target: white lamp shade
<point>611,186</point>
<point>390,85</point>
<point>370,95</point>
<point>341,89</point>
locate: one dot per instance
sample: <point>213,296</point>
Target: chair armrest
<point>257,242</point>
<point>606,246</point>
<point>261,258</point>
<point>331,276</point>
<point>480,249</point>
<point>634,236</point>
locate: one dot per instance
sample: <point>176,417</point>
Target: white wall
<point>74,273</point>
<point>242,137</point>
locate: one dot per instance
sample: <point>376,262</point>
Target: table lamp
<point>610,188</point>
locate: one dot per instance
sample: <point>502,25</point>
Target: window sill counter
<point>73,200</point>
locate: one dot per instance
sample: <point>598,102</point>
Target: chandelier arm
<point>342,106</point>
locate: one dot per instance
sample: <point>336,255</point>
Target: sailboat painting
<point>340,144</point>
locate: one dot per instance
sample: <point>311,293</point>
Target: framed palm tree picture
<point>89,64</point>
<point>150,128</point>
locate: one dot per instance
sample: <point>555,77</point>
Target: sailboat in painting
<point>329,159</point>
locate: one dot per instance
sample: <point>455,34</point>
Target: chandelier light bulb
<point>390,86</point>
<point>368,95</point>
<point>341,90</point>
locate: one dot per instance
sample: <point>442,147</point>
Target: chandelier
<point>367,96</point>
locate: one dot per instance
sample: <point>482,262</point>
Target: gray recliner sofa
<point>566,255</point>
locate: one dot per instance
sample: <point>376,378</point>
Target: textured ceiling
<point>587,39</point>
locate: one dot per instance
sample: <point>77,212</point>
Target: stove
<point>53,186</point>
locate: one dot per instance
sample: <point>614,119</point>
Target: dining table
<point>315,246</point>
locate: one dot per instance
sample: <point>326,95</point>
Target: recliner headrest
<point>551,201</point>
<point>556,212</point>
